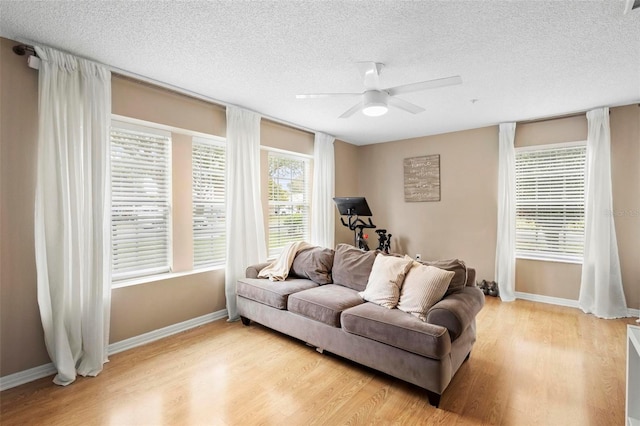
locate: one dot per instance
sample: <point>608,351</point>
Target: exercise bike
<point>352,207</point>
<point>358,226</point>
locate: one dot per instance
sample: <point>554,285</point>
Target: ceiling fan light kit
<point>375,101</point>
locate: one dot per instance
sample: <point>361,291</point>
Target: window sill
<point>162,277</point>
<point>549,259</point>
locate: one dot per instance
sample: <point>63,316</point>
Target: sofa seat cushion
<point>271,293</point>
<point>397,328</point>
<point>324,303</point>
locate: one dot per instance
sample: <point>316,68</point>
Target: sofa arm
<point>456,311</point>
<point>253,270</point>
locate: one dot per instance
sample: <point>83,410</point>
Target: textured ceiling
<point>518,60</point>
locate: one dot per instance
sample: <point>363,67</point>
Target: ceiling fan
<point>376,101</point>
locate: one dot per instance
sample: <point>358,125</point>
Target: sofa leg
<point>245,321</point>
<point>434,398</point>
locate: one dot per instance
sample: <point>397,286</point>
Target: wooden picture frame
<point>422,178</point>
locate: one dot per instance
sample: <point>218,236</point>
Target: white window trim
<point>542,258</point>
<point>284,152</point>
<point>560,145</point>
<point>164,276</point>
<point>545,257</point>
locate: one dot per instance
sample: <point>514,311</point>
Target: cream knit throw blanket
<point>278,270</point>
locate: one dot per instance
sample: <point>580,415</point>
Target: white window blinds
<point>550,202</point>
<point>289,200</point>
<point>208,187</point>
<point>141,201</point>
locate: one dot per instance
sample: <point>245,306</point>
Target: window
<point>288,200</point>
<point>140,201</point>
<point>208,188</point>
<point>550,202</point>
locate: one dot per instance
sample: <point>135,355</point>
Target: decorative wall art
<point>422,178</point>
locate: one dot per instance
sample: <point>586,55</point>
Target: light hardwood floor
<point>533,364</point>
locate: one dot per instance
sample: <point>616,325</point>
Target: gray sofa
<point>333,317</point>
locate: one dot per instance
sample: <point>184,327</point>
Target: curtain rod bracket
<point>32,57</point>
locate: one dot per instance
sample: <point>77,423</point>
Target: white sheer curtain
<point>506,240</point>
<point>73,212</point>
<point>601,291</point>
<point>245,226</point>
<point>322,208</point>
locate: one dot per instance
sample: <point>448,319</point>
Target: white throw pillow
<point>423,287</point>
<point>385,280</point>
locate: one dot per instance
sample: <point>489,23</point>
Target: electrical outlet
<point>418,256</point>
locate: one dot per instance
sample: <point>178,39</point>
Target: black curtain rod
<point>558,117</point>
<point>24,49</point>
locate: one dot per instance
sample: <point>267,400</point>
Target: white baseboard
<point>26,376</point>
<point>154,335</point>
<point>562,302</point>
<point>547,299</point>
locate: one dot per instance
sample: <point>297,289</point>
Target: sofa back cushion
<point>315,264</point>
<point>352,266</point>
<point>457,266</point>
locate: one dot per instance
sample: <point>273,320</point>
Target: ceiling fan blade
<point>348,113</point>
<point>326,95</point>
<point>404,105</point>
<point>370,72</point>
<point>424,85</point>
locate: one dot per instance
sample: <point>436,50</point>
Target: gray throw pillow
<point>457,266</point>
<point>352,266</point>
<point>315,264</point>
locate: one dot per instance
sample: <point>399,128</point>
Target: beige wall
<point>463,224</point>
<point>347,183</point>
<point>279,136</point>
<point>21,336</point>
<point>182,213</point>
<point>146,307</point>
<point>570,129</point>
<point>555,279</point>
<point>143,101</point>
<point>625,179</point>
<point>563,279</point>
<point>135,309</point>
